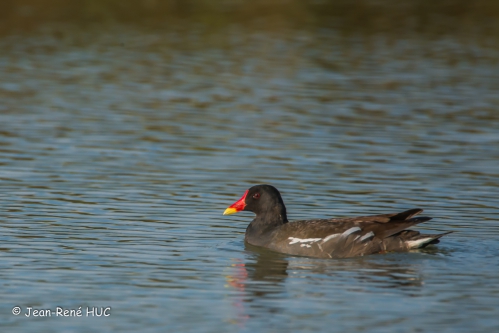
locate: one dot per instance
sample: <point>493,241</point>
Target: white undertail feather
<point>415,244</point>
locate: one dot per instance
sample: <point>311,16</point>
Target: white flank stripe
<point>305,245</point>
<point>351,231</point>
<point>330,237</point>
<point>366,236</point>
<point>305,240</point>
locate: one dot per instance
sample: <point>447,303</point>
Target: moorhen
<point>327,238</point>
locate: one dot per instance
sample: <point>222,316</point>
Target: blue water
<point>120,150</point>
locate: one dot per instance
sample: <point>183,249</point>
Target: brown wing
<point>384,218</point>
<point>344,237</point>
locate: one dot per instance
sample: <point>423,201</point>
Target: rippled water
<point>120,149</point>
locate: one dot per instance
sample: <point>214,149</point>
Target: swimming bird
<point>327,238</point>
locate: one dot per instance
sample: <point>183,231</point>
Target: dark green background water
<point>125,131</point>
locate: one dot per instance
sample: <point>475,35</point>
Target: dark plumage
<point>327,238</point>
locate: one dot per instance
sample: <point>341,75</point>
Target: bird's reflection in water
<point>261,279</point>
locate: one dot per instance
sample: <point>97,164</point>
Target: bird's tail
<point>415,240</point>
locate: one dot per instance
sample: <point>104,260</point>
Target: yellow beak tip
<point>229,211</point>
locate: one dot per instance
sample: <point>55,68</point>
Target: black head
<point>261,200</point>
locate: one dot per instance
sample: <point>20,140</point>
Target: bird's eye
<point>256,196</point>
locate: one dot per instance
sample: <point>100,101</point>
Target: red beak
<point>237,206</point>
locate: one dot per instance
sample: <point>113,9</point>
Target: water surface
<point>121,147</point>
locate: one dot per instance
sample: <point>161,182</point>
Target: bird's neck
<point>259,229</point>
